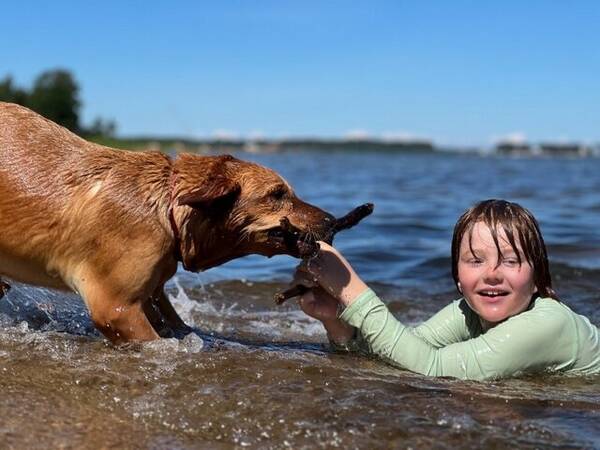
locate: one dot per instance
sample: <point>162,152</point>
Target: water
<point>259,376</point>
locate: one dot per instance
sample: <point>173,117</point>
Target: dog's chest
<point>28,272</point>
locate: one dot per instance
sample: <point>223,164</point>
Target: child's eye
<point>475,261</point>
<point>511,262</point>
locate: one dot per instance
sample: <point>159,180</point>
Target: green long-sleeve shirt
<point>548,337</point>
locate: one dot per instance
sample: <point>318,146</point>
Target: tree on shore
<point>10,93</point>
<point>55,95</point>
<point>102,127</point>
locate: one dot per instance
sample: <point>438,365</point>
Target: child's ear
<point>459,287</point>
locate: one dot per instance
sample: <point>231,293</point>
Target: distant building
<point>564,149</point>
<point>513,148</point>
<point>261,147</point>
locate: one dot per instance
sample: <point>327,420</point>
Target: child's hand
<point>320,305</point>
<point>330,270</point>
<point>315,302</point>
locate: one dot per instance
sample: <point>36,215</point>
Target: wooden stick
<point>310,249</point>
<point>353,217</point>
<point>294,291</point>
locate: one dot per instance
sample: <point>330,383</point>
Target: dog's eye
<point>278,193</point>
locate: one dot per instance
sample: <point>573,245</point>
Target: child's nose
<point>493,274</point>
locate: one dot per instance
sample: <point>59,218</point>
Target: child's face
<point>494,291</point>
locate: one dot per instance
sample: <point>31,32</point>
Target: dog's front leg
<point>169,315</point>
<point>156,319</point>
<point>163,317</point>
<point>120,317</point>
<point>4,288</point>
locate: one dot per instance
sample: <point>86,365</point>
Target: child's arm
<point>455,322</point>
<point>336,277</point>
<point>535,340</point>
<point>344,285</point>
<point>531,340</point>
<point>330,270</point>
<point>320,305</point>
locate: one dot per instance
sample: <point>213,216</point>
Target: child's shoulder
<point>547,304</point>
<point>552,313</point>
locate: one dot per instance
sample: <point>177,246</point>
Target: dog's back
<point>57,189</point>
<point>112,224</point>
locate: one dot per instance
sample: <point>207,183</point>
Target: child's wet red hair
<point>520,227</point>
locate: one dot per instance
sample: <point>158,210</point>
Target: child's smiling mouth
<point>492,294</point>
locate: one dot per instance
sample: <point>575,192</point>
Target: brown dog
<point>112,225</point>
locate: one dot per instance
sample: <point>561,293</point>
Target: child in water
<point>508,322</point>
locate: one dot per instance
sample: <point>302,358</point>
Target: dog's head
<point>230,208</point>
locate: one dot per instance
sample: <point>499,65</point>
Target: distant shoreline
<point>264,145</point>
<point>211,146</point>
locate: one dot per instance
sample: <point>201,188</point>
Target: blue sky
<point>459,73</point>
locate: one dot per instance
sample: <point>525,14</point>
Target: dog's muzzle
<point>303,244</point>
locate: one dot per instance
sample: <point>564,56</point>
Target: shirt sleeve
<point>534,340</point>
<point>448,326</point>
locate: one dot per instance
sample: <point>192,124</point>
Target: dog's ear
<point>220,194</point>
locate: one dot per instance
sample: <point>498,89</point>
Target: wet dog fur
<point>112,225</point>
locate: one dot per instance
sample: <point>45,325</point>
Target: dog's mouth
<point>276,237</point>
<point>303,244</point>
<point>294,241</point>
<point>276,234</point>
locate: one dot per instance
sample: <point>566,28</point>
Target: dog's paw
<point>166,332</point>
<point>4,288</point>
<point>183,331</point>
